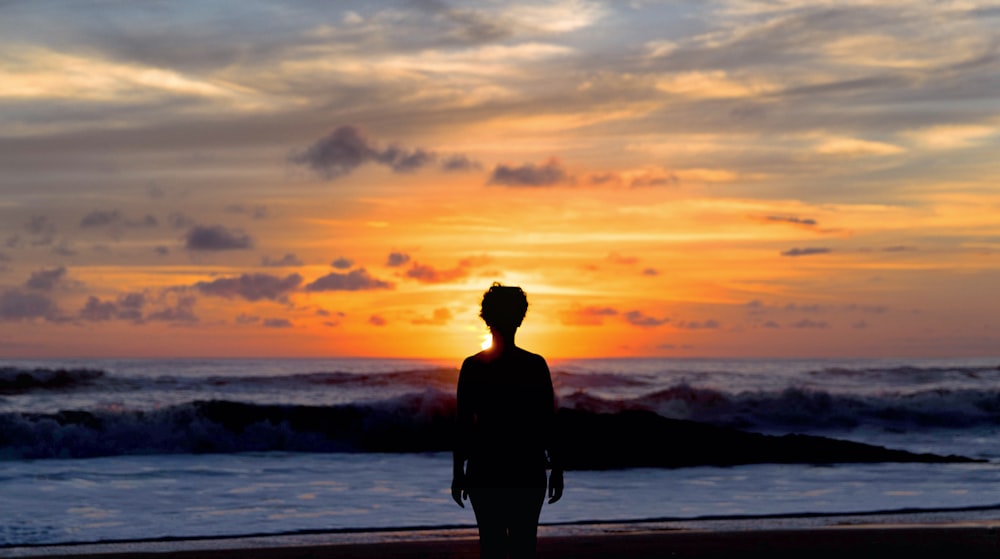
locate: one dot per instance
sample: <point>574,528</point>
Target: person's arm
<point>463,434</point>
<point>552,440</point>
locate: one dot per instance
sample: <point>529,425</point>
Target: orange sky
<point>719,179</point>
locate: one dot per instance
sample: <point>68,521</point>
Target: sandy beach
<point>973,539</point>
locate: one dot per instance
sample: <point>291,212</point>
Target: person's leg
<point>490,508</point>
<point>523,509</point>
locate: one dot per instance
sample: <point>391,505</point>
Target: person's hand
<point>555,486</point>
<point>458,492</point>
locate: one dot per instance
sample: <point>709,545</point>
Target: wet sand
<point>981,539</point>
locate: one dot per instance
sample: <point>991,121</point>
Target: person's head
<point>504,307</point>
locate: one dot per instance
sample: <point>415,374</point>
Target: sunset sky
<point>682,178</point>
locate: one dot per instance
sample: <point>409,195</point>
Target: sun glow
<point>487,342</point>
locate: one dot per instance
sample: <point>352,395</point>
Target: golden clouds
<point>41,73</point>
<point>953,136</point>
<point>854,147</point>
<point>809,156</point>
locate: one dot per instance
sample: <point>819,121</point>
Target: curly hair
<point>504,306</point>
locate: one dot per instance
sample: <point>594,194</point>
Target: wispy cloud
<point>547,173</point>
<point>397,259</point>
<point>791,220</point>
<point>126,307</point>
<point>355,280</point>
<point>46,280</point>
<point>251,287</point>
<point>17,306</point>
<point>643,320</point>
<point>342,263</point>
<point>346,148</point>
<point>115,221</point>
<point>426,273</point>
<point>214,238</point>
<point>806,251</point>
<point>288,260</point>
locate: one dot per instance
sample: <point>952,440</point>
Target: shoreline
<point>972,533</point>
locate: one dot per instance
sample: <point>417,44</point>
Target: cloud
<point>952,136</point>
<point>255,212</point>
<point>178,220</point>
<point>216,238</point>
<point>355,280</point>
<point>549,173</point>
<point>807,323</point>
<point>854,147</point>
<point>108,218</point>
<point>64,248</point>
<point>252,287</point>
<point>460,163</point>
<point>337,154</point>
<point>604,178</point>
<point>96,310</point>
<point>710,324</point>
<point>40,228</point>
<point>126,307</point>
<point>587,316</point>
<point>40,225</point>
<point>99,218</point>
<point>243,318</point>
<point>428,274</point>
<point>334,317</point>
<point>616,258</point>
<point>650,272</point>
<point>441,316</point>
<point>640,178</point>
<point>643,181</point>
<point>346,148</point>
<point>397,259</point>
<point>808,251</point>
<point>16,306</point>
<point>642,320</point>
<point>377,320</point>
<point>277,323</point>
<point>180,310</point>
<point>148,220</point>
<point>287,260</point>
<point>872,309</point>
<point>46,280</point>
<point>342,263</point>
<point>793,220</point>
<point>404,161</point>
<point>464,26</point>
<point>795,307</point>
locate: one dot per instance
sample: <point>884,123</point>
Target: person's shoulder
<point>533,358</point>
<point>475,360</point>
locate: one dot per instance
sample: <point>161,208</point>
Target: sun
<point>487,342</point>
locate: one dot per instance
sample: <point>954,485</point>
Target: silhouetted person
<point>506,416</point>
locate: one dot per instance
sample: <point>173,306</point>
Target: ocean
<point>137,450</point>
